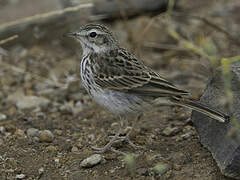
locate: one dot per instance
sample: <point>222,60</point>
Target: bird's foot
<point>108,146</point>
<point>126,138</point>
<point>116,139</point>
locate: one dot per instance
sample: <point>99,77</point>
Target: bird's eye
<point>93,34</point>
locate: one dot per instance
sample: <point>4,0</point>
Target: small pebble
<point>28,119</point>
<point>46,136</point>
<point>27,102</point>
<point>2,130</point>
<point>20,176</point>
<point>186,135</point>
<point>56,160</point>
<point>79,104</point>
<point>58,132</point>
<point>91,161</point>
<point>51,148</point>
<point>79,144</point>
<point>19,133</point>
<point>74,149</point>
<point>2,117</point>
<point>32,132</point>
<point>170,131</point>
<point>91,137</point>
<point>36,139</point>
<point>10,128</point>
<point>7,134</point>
<point>142,171</point>
<point>66,108</point>
<point>1,142</point>
<point>112,171</point>
<point>161,168</point>
<point>41,171</point>
<point>177,167</point>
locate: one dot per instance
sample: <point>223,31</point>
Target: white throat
<point>89,48</point>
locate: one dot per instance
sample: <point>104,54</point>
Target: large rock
<point>216,136</point>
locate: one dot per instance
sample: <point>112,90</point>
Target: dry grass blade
<point>211,24</point>
<point>8,39</point>
<point>183,43</point>
<point>3,51</point>
<point>44,15</point>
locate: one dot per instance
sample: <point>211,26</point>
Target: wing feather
<point>133,76</point>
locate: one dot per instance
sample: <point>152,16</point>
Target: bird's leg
<point>128,131</point>
<point>126,138</point>
<point>118,138</point>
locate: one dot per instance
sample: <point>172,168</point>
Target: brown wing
<point>124,72</point>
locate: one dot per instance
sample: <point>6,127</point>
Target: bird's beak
<point>71,34</point>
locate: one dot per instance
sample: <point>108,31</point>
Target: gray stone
<point>2,117</point>
<point>41,171</point>
<point>142,171</point>
<point>15,97</point>
<point>20,176</point>
<point>27,102</point>
<point>32,132</point>
<point>1,142</point>
<point>216,136</point>
<point>74,149</point>
<point>2,130</point>
<point>91,161</point>
<point>46,136</point>
<point>170,131</point>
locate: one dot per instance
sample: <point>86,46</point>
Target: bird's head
<point>95,37</point>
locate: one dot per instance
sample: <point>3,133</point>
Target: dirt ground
<point>43,71</point>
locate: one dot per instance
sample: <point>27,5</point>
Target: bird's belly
<point>120,103</point>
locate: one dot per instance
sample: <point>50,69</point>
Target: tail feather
<point>215,114</point>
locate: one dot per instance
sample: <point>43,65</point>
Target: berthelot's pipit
<point>121,83</point>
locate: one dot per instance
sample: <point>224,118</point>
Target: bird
<point>121,83</point>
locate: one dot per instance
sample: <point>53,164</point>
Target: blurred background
<point>48,122</point>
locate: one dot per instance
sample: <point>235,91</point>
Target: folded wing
<point>124,72</point>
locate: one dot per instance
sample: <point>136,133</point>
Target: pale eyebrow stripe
<point>97,31</point>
